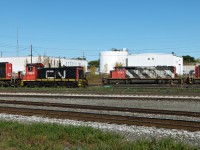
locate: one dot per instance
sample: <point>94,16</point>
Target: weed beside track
<point>42,136</point>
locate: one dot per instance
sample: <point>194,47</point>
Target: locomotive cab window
<point>30,69</point>
<point>39,67</point>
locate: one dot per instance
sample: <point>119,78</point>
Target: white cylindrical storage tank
<point>109,59</point>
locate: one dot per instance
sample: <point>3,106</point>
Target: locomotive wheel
<point>74,85</point>
<point>67,85</point>
<point>127,82</point>
<point>170,82</point>
<point>71,85</point>
<point>1,84</point>
<point>30,85</point>
<point>55,85</point>
<point>61,85</point>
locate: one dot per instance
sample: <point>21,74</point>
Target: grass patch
<point>95,79</point>
<point>18,136</point>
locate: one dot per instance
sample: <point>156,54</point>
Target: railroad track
<point>155,85</point>
<point>104,108</point>
<point>117,119</point>
<point>108,118</point>
<point>143,89</point>
<point>99,96</point>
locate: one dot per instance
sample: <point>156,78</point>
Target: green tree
<point>79,58</point>
<point>118,64</point>
<point>188,59</point>
<point>93,69</point>
<point>94,63</point>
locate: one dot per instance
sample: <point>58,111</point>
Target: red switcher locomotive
<point>38,76</point>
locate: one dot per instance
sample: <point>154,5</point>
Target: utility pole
<point>17,44</point>
<point>1,54</point>
<point>31,54</point>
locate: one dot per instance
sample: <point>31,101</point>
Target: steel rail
<point>117,119</point>
<point>105,108</point>
<point>108,97</point>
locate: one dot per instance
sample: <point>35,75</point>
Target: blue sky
<point>69,28</point>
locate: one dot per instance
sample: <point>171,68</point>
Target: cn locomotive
<point>150,75</point>
<point>36,75</point>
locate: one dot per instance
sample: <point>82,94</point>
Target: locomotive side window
<point>39,67</point>
<point>30,69</point>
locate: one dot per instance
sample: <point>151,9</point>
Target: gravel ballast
<point>130,132</point>
<point>193,106</point>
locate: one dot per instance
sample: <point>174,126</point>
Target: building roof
<point>148,54</point>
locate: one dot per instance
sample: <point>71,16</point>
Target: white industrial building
<point>19,63</point>
<point>156,59</point>
<point>109,59</point>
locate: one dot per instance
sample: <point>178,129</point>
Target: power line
<point>74,52</point>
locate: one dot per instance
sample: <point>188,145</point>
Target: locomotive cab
<point>32,71</point>
<point>118,73</point>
